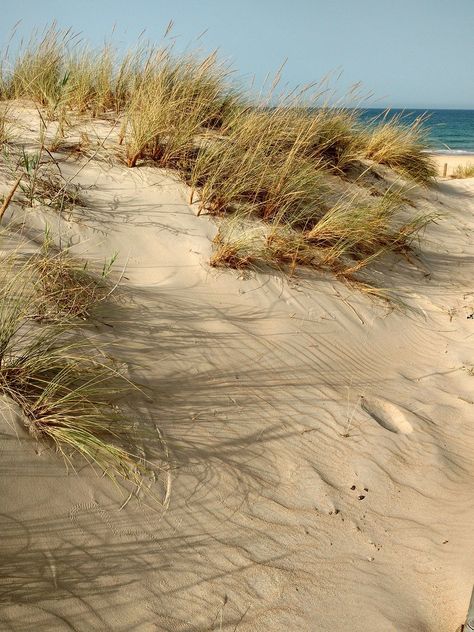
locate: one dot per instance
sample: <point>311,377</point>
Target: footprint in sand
<point>386,414</point>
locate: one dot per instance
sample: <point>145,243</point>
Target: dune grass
<point>66,288</point>
<point>67,389</point>
<point>270,160</point>
<point>253,183</point>
<point>263,246</point>
<point>41,179</point>
<point>273,166</point>
<point>168,100</point>
<point>38,72</point>
<point>298,124</point>
<point>6,131</point>
<point>464,171</point>
<point>259,167</point>
<point>98,82</point>
<point>346,238</point>
<point>401,146</point>
<point>174,101</point>
<point>58,71</point>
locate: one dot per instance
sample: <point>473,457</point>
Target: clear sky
<point>408,53</point>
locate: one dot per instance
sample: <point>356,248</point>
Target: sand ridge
<point>319,445</point>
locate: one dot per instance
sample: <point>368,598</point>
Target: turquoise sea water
<point>450,131</point>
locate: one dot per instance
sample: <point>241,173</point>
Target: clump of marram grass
<point>464,171</point>
<point>175,99</point>
<point>38,72</point>
<point>346,238</point>
<point>355,234</point>
<point>241,245</point>
<point>259,246</point>
<point>290,188</point>
<point>67,390</point>
<point>335,138</point>
<point>327,136</point>
<point>402,147</point>
<point>58,72</point>
<point>66,288</point>
<point>269,166</point>
<point>238,244</point>
<point>258,168</point>
<point>355,224</point>
<point>97,81</point>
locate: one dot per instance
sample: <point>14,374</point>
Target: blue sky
<point>407,53</point>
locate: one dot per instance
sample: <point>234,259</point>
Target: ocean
<point>450,131</point>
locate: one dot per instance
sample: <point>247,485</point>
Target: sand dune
<point>319,460</point>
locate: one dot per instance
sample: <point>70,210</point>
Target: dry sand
<point>320,446</point>
<point>452,161</point>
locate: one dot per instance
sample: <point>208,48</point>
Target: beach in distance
<point>451,162</point>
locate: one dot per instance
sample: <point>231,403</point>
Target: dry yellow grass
<point>67,389</point>
<point>346,238</point>
<point>464,171</point>
<point>66,288</point>
<point>271,162</point>
<point>174,101</point>
<point>402,147</point>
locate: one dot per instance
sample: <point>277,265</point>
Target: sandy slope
<point>320,445</point>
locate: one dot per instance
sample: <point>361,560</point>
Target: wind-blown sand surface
<point>320,445</point>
